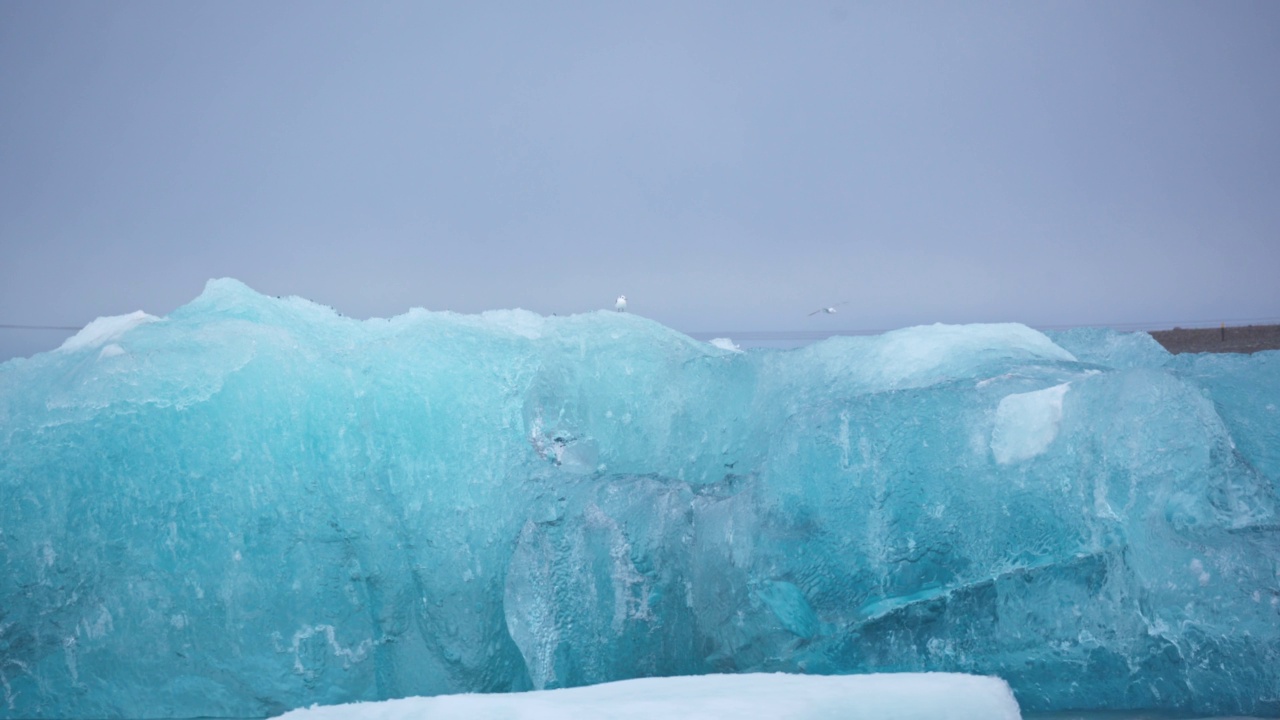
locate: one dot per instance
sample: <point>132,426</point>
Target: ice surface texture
<point>755,696</point>
<point>255,504</point>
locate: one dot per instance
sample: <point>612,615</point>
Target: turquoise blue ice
<point>255,504</point>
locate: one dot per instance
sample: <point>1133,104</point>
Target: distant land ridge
<point>1243,339</point>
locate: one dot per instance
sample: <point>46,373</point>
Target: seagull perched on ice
<point>621,305</point>
<point>828,310</point>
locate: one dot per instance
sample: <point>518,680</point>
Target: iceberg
<point>255,504</point>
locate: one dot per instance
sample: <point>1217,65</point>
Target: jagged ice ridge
<point>255,504</point>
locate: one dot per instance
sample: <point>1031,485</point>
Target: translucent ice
<point>104,329</point>
<point>255,504</point>
<point>1027,423</point>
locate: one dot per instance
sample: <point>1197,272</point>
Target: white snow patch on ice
<point>105,330</point>
<point>902,696</point>
<point>1026,423</point>
<point>926,355</point>
<point>908,356</point>
<point>1197,567</point>
<point>725,344</point>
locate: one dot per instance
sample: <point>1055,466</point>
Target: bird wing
<point>830,309</point>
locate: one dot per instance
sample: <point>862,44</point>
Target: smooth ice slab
<point>255,504</point>
<point>906,696</point>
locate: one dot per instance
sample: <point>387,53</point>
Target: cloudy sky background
<point>727,165</point>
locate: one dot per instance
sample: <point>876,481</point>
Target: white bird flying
<point>621,305</point>
<point>828,310</point>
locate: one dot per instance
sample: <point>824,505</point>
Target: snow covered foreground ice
<point>254,504</point>
<point>906,696</point>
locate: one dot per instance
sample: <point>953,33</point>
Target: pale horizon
<point>730,167</point>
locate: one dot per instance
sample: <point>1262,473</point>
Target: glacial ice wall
<point>255,504</point>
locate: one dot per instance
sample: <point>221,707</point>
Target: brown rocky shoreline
<point>1243,339</point>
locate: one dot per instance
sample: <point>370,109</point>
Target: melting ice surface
<point>255,504</point>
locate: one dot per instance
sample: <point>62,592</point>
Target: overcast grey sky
<point>727,165</point>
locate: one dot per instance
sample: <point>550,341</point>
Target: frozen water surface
<point>907,696</point>
<point>254,505</point>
